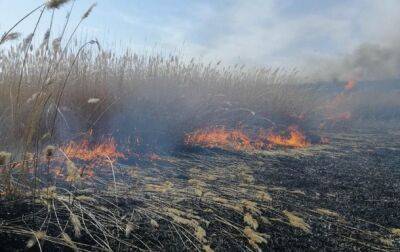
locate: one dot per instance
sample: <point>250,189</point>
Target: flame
<point>94,156</point>
<point>332,114</point>
<point>295,139</point>
<point>219,137</point>
<point>238,140</point>
<point>83,151</point>
<point>350,85</point>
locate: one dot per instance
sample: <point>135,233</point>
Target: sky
<point>270,33</point>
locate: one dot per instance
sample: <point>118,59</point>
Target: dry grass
<point>154,97</point>
<point>326,212</point>
<point>150,207</point>
<point>297,221</point>
<point>60,88</point>
<point>55,91</point>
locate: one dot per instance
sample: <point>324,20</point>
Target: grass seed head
<point>154,223</point>
<point>207,248</point>
<point>326,212</point>
<point>255,238</point>
<point>9,37</point>
<point>56,44</point>
<point>201,234</point>
<point>395,231</point>
<point>248,219</point>
<point>129,228</point>
<point>76,224</point>
<point>296,221</point>
<point>37,236</point>
<point>72,172</point>
<point>27,41</point>
<point>87,13</point>
<point>67,239</point>
<point>55,4</point>
<point>263,196</point>
<point>5,157</point>
<point>386,242</point>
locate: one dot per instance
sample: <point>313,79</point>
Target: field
<point>120,151</point>
<point>341,196</point>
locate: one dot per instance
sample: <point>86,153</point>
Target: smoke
<point>368,62</point>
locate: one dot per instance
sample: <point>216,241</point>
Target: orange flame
<point>93,155</point>
<point>83,151</point>
<point>333,116</point>
<point>238,140</point>
<point>350,85</point>
<point>295,139</point>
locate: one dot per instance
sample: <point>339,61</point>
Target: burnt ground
<point>355,180</point>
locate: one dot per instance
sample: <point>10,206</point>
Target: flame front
<point>238,140</point>
<point>83,151</point>
<point>93,156</point>
<point>295,139</point>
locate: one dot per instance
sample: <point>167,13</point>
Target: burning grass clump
<point>240,140</point>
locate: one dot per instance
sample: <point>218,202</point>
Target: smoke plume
<point>369,62</point>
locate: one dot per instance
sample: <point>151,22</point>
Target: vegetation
<point>81,126</point>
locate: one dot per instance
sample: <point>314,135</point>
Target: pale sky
<point>287,33</point>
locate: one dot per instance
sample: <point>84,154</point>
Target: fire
<point>93,156</point>
<point>85,152</point>
<point>238,140</point>
<point>350,85</point>
<point>219,137</point>
<point>332,114</point>
<point>295,139</point>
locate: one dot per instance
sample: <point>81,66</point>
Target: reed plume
<point>55,4</point>
<point>9,37</point>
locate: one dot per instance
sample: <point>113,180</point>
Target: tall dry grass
<point>60,88</point>
<point>49,93</point>
<point>56,89</point>
<point>144,95</point>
